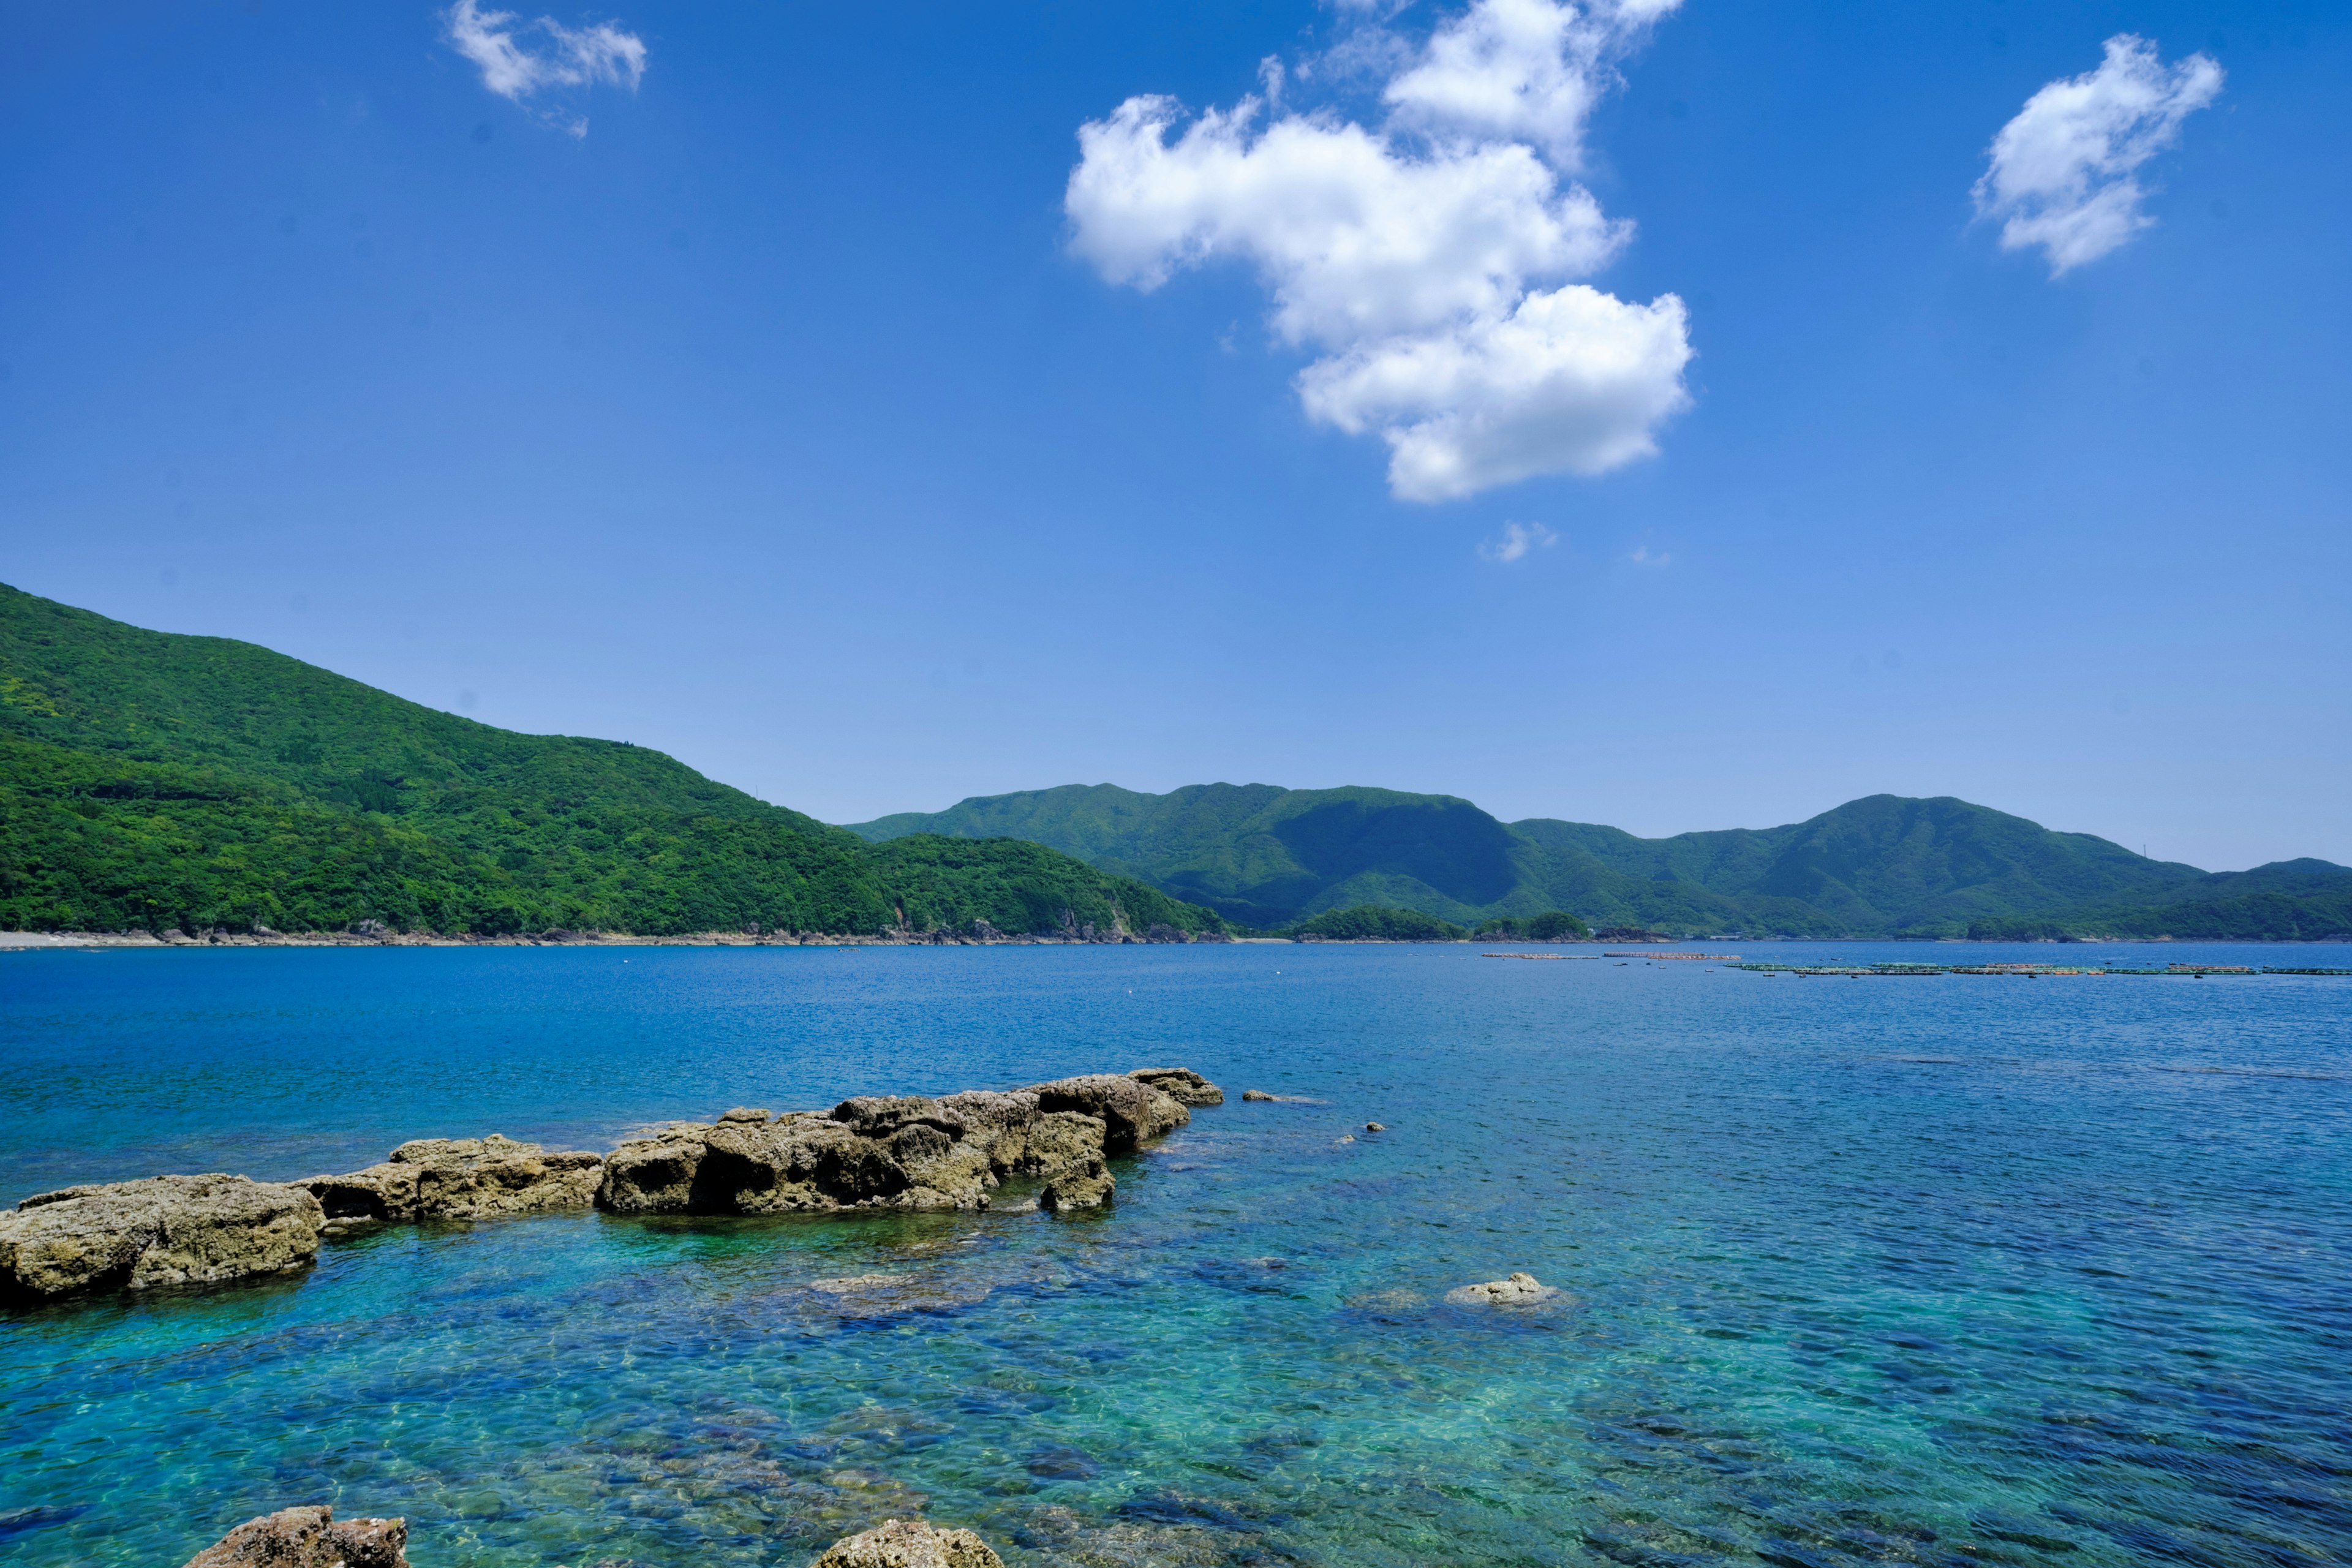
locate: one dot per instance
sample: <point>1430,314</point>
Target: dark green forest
<point>152,781</point>
<point>1884,866</point>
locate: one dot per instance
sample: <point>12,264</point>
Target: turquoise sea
<point>1937,1270</point>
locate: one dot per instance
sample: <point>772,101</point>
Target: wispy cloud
<point>2063,173</point>
<point>518,61</point>
<point>1416,255</point>
<point>1518,539</point>
<point>1645,556</point>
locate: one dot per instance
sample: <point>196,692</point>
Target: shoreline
<point>39,941</point>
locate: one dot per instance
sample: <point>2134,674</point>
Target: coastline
<point>36,941</point>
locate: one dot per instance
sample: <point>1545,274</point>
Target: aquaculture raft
<point>2022,971</point>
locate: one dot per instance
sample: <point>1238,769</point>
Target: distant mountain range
<point>1884,866</point>
<point>150,781</point>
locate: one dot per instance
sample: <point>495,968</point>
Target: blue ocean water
<point>1952,1270</point>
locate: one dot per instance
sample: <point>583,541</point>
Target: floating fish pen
<point>1684,957</point>
<point>2018,971</point>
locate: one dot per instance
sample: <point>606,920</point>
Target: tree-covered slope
<point>1882,866</point>
<point>151,780</point>
<point>1256,853</point>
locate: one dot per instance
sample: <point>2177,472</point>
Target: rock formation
<point>1519,1289</point>
<point>1181,1085</point>
<point>164,1230</point>
<point>309,1538</point>
<point>461,1178</point>
<point>898,1151</point>
<point>906,1544</point>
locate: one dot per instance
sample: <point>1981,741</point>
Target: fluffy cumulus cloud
<point>519,60</point>
<point>2065,173</point>
<point>1429,259</point>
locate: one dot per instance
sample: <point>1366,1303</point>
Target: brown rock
<point>164,1230</point>
<point>462,1178</point>
<point>1255,1094</point>
<point>309,1538</point>
<point>909,1543</point>
<point>1131,1112</point>
<point>1087,1186</point>
<point>1181,1085</point>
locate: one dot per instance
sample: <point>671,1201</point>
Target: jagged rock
<point>909,1543</point>
<point>897,1152</point>
<point>1255,1094</point>
<point>309,1538</point>
<point>746,1113</point>
<point>164,1230</point>
<point>1518,1291</point>
<point>1181,1085</point>
<point>1376,1126</point>
<point>1089,1186</point>
<point>461,1178</point>
<point>1131,1112</point>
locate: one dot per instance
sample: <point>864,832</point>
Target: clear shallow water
<point>1933,1270</point>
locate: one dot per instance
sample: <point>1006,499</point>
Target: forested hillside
<point>153,781</point>
<point>1882,866</point>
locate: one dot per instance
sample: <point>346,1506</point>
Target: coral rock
<point>309,1538</point>
<point>165,1230</point>
<point>1518,1290</point>
<point>462,1178</point>
<point>909,1543</point>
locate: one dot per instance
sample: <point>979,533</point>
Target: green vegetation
<point>1374,923</point>
<point>151,781</point>
<point>1881,867</point>
<point>1552,925</point>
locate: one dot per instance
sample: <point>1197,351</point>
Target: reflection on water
<point>1934,1273</point>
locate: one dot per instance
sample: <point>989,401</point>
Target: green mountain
<point>152,781</point>
<point>1883,866</point>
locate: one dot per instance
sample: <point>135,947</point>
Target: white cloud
<point>1645,556</point>
<point>1518,538</point>
<point>2063,173</point>
<point>1524,70</point>
<point>1573,381</point>
<point>1416,254</point>
<point>570,56</point>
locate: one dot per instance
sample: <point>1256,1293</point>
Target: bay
<point>1952,1270</point>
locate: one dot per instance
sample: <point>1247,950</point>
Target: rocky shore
<point>895,1152</point>
<point>312,1538</point>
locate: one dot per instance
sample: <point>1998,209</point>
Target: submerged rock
<point>908,1544</point>
<point>309,1538</point>
<point>1518,1291</point>
<point>164,1230</point>
<point>1181,1085</point>
<point>462,1178</point>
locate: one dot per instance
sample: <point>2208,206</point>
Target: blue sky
<point>796,414</point>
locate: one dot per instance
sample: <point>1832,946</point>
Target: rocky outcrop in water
<point>461,1178</point>
<point>874,1151</point>
<point>309,1538</point>
<point>897,1152</point>
<point>909,1543</point>
<point>1519,1289</point>
<point>164,1230</point>
<point>1181,1085</point>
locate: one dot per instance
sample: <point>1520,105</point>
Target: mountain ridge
<point>156,780</point>
<point>1882,866</point>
